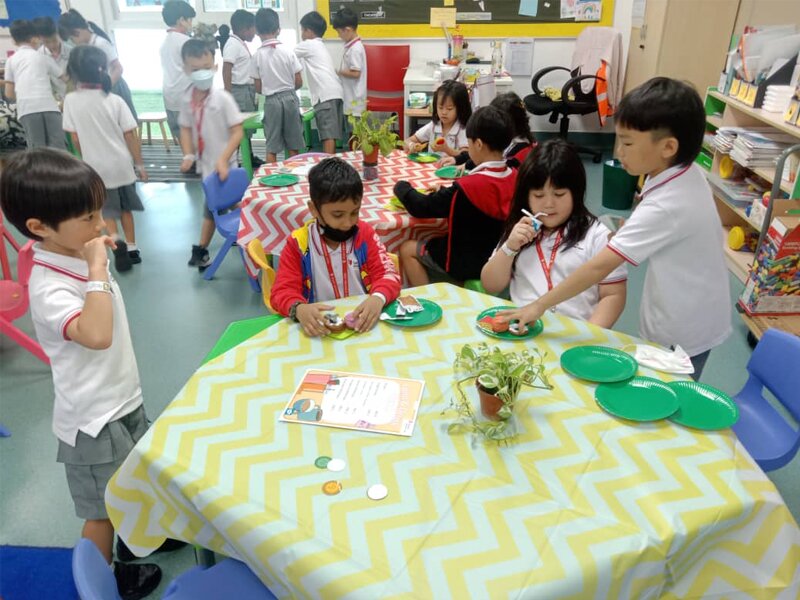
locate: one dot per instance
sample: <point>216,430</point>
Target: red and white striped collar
<point>270,43</point>
<point>493,168</point>
<point>173,30</point>
<point>351,42</point>
<point>77,268</point>
<point>663,178</point>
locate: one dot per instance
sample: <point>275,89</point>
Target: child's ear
<point>36,227</point>
<point>669,147</point>
<point>312,209</point>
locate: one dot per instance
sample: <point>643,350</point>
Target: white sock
<point>131,246</point>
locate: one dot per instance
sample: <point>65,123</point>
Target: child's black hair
<point>72,20</point>
<point>50,185</point>
<point>313,21</point>
<point>174,10</point>
<point>45,26</point>
<point>492,126</point>
<point>344,17</point>
<point>512,105</point>
<point>195,48</point>
<point>334,180</point>
<point>242,20</point>
<point>666,107</point>
<point>22,31</point>
<point>559,161</point>
<point>457,92</point>
<point>267,22</point>
<point>89,64</point>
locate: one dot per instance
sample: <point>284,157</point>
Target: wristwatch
<point>293,310</point>
<point>508,251</point>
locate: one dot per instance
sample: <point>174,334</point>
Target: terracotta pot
<point>371,159</point>
<point>490,404</point>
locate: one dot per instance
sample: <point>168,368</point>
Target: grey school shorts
<point>245,96</point>
<point>121,199</point>
<point>172,121</point>
<point>435,271</point>
<point>92,462</point>
<point>283,127</point>
<point>44,129</point>
<point>328,116</point>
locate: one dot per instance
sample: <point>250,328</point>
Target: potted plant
<point>499,377</point>
<point>371,135</point>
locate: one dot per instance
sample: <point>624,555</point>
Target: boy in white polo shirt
<point>211,129</point>
<point>80,321</point>
<point>178,16</point>
<point>276,71</point>
<point>686,301</point>
<point>324,85</point>
<point>55,48</point>
<point>353,69</point>
<point>28,75</point>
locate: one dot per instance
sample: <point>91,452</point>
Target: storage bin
<point>618,186</point>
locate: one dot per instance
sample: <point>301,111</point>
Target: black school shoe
<point>256,162</point>
<point>135,257</point>
<point>124,553</point>
<point>122,262</point>
<point>136,581</point>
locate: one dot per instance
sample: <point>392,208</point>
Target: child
<point>353,67</point>
<point>211,129</point>
<point>103,130</point>
<point>175,83</point>
<point>223,35</point>
<point>446,133</point>
<point>553,181</point>
<point>53,47</point>
<point>276,71</point>
<point>80,321</point>
<point>660,127</point>
<point>334,256</point>
<point>324,85</point>
<point>73,27</point>
<point>28,75</point>
<point>476,207</point>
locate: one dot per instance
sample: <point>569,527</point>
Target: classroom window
<point>144,5</point>
<point>230,5</point>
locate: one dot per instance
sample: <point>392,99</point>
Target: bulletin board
<point>475,18</point>
<point>27,9</point>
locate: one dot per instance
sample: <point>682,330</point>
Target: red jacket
<point>293,282</point>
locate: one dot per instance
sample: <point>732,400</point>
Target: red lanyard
<point>241,41</point>
<point>545,266</point>
<point>666,181</point>
<point>345,278</point>
<point>198,110</point>
<point>351,42</point>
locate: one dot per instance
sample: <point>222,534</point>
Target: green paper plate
<point>703,407</point>
<point>450,172</point>
<point>279,180</point>
<point>396,205</point>
<point>424,157</point>
<point>638,399</point>
<point>431,313</point>
<point>533,330</point>
<point>341,335</point>
<point>599,364</point>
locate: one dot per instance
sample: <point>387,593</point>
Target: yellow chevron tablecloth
<point>580,505</point>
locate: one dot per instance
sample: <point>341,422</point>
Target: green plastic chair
<point>475,286</point>
<point>240,331</point>
<point>307,118</point>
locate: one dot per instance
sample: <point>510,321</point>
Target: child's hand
<point>311,320</point>
<point>412,147</point>
<point>186,165</point>
<point>143,176</point>
<point>525,315</point>
<point>445,161</point>
<point>95,253</point>
<point>367,313</point>
<point>439,145</point>
<point>222,169</point>
<point>434,187</point>
<point>522,234</point>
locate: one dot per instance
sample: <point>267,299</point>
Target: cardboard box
<point>773,286</point>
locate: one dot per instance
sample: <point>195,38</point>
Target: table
<point>579,505</point>
<point>271,214</point>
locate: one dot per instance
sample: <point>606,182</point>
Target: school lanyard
<point>241,41</point>
<point>351,42</point>
<point>545,266</point>
<point>270,43</point>
<point>345,278</point>
<point>198,112</point>
<point>666,181</point>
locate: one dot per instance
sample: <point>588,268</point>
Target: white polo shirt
<point>175,83</point>
<point>106,46</point>
<point>354,90</point>
<point>456,138</point>
<point>321,278</point>
<point>529,283</point>
<point>92,387</point>
<point>59,85</point>
<point>219,114</point>
<point>275,65</point>
<point>323,83</point>
<point>100,120</point>
<point>686,299</point>
<point>238,55</point>
<point>30,72</point>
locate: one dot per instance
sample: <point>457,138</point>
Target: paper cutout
<point>443,17</point>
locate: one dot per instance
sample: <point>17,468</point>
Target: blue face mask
<point>202,79</point>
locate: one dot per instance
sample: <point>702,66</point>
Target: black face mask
<point>337,235</point>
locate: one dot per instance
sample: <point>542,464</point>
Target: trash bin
<point>618,186</point>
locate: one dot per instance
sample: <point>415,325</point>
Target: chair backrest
<point>256,252</point>
<point>386,67</point>
<point>775,364</point>
<point>224,194</point>
<point>93,577</point>
<point>25,263</point>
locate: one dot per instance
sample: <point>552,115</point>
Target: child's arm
<point>350,73</point>
<point>75,141</point>
<point>227,75</point>
<point>187,146</point>
<point>610,305</point>
<point>95,325</point>
<point>135,148</point>
<point>434,205</point>
<point>496,273</point>
<point>115,71</point>
<point>10,93</point>
<point>236,133</point>
<point>413,144</point>
<point>385,282</point>
<point>257,83</point>
<point>298,81</point>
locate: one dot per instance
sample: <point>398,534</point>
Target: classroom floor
<point>175,317</point>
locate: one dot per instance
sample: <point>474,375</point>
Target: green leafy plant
<point>500,373</point>
<point>369,131</point>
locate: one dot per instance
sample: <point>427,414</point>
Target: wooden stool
<point>154,117</point>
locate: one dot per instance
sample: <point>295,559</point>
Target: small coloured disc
<point>377,492</point>
<point>322,462</point>
<point>331,488</point>
<point>336,465</point>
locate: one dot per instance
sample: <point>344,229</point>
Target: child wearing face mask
<point>211,129</point>
<point>333,256</point>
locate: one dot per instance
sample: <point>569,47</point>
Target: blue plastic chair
<point>770,440</point>
<point>220,196</point>
<point>230,578</point>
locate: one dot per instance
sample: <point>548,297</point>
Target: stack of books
<point>725,137</point>
<point>759,149</point>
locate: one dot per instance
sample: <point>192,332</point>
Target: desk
<point>579,505</point>
<point>271,214</point>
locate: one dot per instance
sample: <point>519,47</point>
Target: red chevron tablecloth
<point>272,213</point>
